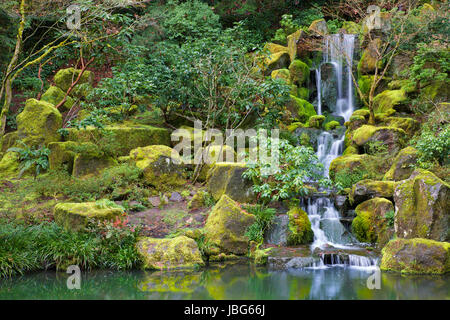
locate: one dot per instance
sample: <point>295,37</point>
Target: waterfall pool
<point>233,281</point>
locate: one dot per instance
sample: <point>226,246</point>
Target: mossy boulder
<point>165,254</point>
<point>75,216</point>
<point>121,138</point>
<point>40,121</point>
<point>212,154</point>
<point>370,224</point>
<point>62,154</point>
<point>86,164</point>
<point>409,125</point>
<point>8,140</point>
<point>331,125</point>
<point>301,109</point>
<point>292,43</point>
<point>225,178</point>
<point>355,122</point>
<point>300,231</point>
<point>226,226</point>
<point>403,165</point>
<point>281,74</point>
<point>162,165</point>
<point>275,57</point>
<point>366,189</point>
<point>316,121</point>
<point>350,163</point>
<point>421,207</point>
<point>369,58</point>
<point>55,95</point>
<point>386,101</point>
<point>350,150</point>
<point>416,256</point>
<point>198,200</point>
<point>318,27</point>
<point>351,27</point>
<point>392,138</point>
<point>65,77</point>
<point>9,165</point>
<point>299,72</point>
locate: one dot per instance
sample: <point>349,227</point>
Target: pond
<point>236,281</point>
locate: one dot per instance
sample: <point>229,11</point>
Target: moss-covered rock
<point>212,154</point>
<point>350,163</point>
<point>350,150</point>
<point>198,200</point>
<point>370,224</point>
<point>65,77</point>
<point>63,153</point>
<point>403,165</point>
<point>294,126</point>
<point>122,138</point>
<point>55,95</point>
<point>316,121</point>
<point>226,226</point>
<point>299,72</point>
<point>85,164</point>
<point>301,109</point>
<point>386,101</point>
<point>365,83</point>
<point>161,165</point>
<point>292,43</point>
<point>409,125</point>
<point>331,125</point>
<point>40,121</point>
<point>366,189</point>
<point>354,123</point>
<point>275,57</point>
<point>370,58</point>
<point>416,256</point>
<point>421,207</point>
<point>226,178</point>
<point>283,74</point>
<point>75,216</point>
<point>318,27</point>
<point>351,27</point>
<point>390,137</point>
<point>9,165</point>
<point>405,84</point>
<point>300,231</point>
<point>164,254</point>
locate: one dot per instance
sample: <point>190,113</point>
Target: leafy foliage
<point>32,157</point>
<point>433,146</point>
<point>264,218</point>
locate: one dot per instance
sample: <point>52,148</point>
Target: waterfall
<point>319,91</point>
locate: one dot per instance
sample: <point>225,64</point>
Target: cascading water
<point>325,219</point>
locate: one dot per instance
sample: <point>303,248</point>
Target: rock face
<point>88,164</point>
<point>350,163</point>
<point>371,224</point>
<point>226,226</point>
<point>392,138</point>
<point>226,178</point>
<point>75,216</point>
<point>299,227</point>
<point>39,121</point>
<point>214,154</point>
<point>300,109</point>
<point>161,165</point>
<point>403,165</point>
<point>55,95</point>
<point>178,253</point>
<point>9,165</point>
<point>386,101</point>
<point>299,72</point>
<point>369,58</point>
<point>366,189</point>
<point>422,207</point>
<point>63,78</point>
<point>122,138</point>
<point>419,256</point>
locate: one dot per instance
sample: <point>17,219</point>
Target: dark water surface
<point>239,281</point>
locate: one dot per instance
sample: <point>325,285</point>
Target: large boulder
<point>65,77</point>
<point>225,178</point>
<point>403,165</point>
<point>226,226</point>
<point>371,224</point>
<point>85,164</point>
<point>422,205</point>
<point>55,95</point>
<point>392,138</point>
<point>177,253</point>
<point>385,102</point>
<point>162,166</point>
<point>277,58</point>
<point>9,165</point>
<point>39,121</point>
<point>417,256</point>
<point>211,155</point>
<point>370,58</point>
<point>122,138</point>
<point>300,109</point>
<point>292,43</point>
<point>353,163</point>
<point>299,72</point>
<point>409,125</point>
<point>318,27</point>
<point>300,231</point>
<point>366,189</point>
<point>75,216</point>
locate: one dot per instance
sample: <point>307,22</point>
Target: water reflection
<point>240,281</point>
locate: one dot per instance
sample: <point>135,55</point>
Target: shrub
<point>264,218</point>
<point>32,157</point>
<point>433,146</point>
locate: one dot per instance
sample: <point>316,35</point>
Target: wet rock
<point>366,189</point>
<point>403,165</point>
<point>392,138</point>
<point>278,232</point>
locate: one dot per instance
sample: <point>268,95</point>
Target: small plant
<point>389,216</point>
<point>264,218</point>
<point>433,146</point>
<point>346,178</point>
<point>376,148</point>
<point>29,157</point>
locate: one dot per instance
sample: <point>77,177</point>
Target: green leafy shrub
<point>346,178</point>
<point>264,218</point>
<point>433,146</point>
<point>390,217</point>
<point>32,157</point>
<point>287,27</point>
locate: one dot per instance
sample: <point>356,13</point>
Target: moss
<point>301,109</point>
<point>386,101</point>
<point>369,60</point>
<point>260,256</point>
<point>362,165</point>
<point>226,226</point>
<point>63,153</point>
<point>292,43</point>
<point>55,95</point>
<point>75,216</point>
<point>294,125</point>
<point>39,120</point>
<point>226,178</point>
<point>403,165</point>
<point>316,121</point>
<point>391,137</point>
<point>281,74</point>
<point>198,200</point>
<point>416,256</point>
<point>299,72</point>
<point>368,188</point>
<point>85,165</point>
<point>9,165</point>
<point>178,253</point>
<point>303,93</point>
<point>370,224</point>
<point>331,125</point>
<point>274,48</point>
<point>405,84</point>
<point>214,154</point>
<point>122,138</point>
<point>63,78</point>
<point>351,27</point>
<point>409,125</point>
<point>318,26</point>
<point>300,231</point>
<point>365,83</point>
<point>161,165</point>
<point>350,150</point>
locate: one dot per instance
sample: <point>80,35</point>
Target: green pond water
<point>239,281</point>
